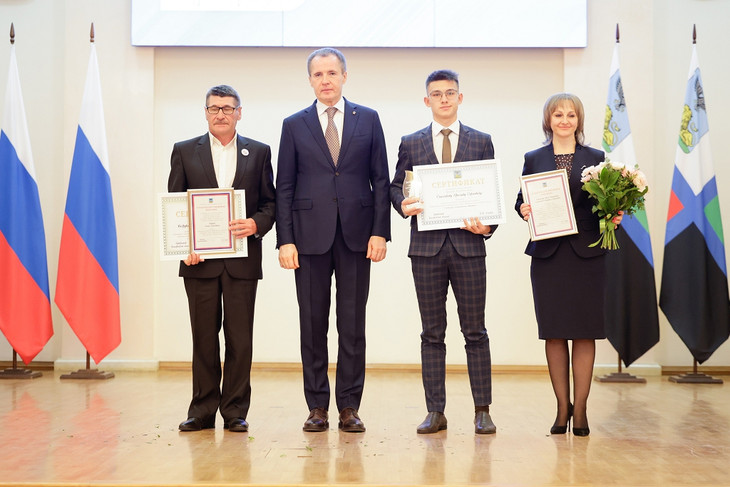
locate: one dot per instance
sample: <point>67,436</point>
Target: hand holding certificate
<point>548,195</point>
<point>454,192</point>
<point>198,222</point>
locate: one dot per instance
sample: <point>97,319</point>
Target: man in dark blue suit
<point>333,215</point>
<point>440,257</point>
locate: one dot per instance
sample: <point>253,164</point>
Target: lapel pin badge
<point>244,152</point>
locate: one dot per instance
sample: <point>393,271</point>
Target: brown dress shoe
<point>483,424</point>
<point>350,422</point>
<point>317,420</point>
<point>433,423</point>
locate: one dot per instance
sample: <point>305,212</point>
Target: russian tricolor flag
<point>87,288</point>
<point>25,306</point>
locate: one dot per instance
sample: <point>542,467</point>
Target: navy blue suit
<point>440,257</point>
<point>543,159</point>
<point>330,212</point>
<point>567,275</point>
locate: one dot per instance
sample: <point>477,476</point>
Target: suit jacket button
<point>337,173</point>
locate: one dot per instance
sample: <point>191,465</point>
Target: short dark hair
<point>442,75</point>
<point>324,52</point>
<point>222,91</point>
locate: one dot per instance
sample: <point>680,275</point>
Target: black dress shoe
<point>317,421</point>
<point>237,425</point>
<point>483,424</point>
<point>196,424</point>
<point>350,422</point>
<point>433,423</point>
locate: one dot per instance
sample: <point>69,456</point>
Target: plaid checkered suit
<point>443,257</point>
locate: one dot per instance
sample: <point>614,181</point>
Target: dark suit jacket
<point>417,149</point>
<point>543,159</point>
<point>312,192</point>
<point>192,168</point>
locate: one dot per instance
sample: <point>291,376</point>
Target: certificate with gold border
<point>210,211</point>
<point>548,194</point>
<point>175,221</point>
<point>457,191</point>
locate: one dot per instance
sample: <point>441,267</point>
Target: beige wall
<point>154,97</point>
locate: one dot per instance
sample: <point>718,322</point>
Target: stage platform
<point>123,432</point>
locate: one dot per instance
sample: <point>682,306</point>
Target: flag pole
<point>88,372</point>
<point>695,377</point>
<point>15,372</point>
<point>619,376</point>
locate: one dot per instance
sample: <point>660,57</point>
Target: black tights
<point>558,359</point>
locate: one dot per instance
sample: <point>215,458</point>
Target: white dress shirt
<point>225,159</point>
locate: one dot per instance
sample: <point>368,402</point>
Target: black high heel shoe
<point>582,431</point>
<point>561,430</point>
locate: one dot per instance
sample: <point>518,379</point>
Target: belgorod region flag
<point>631,313</point>
<point>694,290</point>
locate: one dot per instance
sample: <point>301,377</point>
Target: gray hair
<point>222,91</point>
<point>324,52</point>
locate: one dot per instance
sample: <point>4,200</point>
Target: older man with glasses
<point>222,292</point>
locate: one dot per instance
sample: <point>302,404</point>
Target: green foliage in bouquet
<point>614,187</point>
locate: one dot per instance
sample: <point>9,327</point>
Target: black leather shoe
<point>350,422</point>
<point>433,423</point>
<point>317,420</point>
<point>237,425</point>
<point>196,424</point>
<point>483,424</point>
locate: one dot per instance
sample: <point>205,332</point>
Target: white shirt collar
<point>215,142</point>
<point>340,106</point>
<point>437,127</point>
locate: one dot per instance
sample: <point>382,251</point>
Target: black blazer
<point>543,159</point>
<point>417,149</point>
<point>191,167</point>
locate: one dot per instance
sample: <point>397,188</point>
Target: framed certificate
<point>175,221</point>
<point>548,195</point>
<point>209,212</point>
<point>457,191</point>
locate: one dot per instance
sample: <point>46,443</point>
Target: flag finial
<point>694,33</point>
<point>617,35</point>
<point>12,33</point>
<point>91,33</point>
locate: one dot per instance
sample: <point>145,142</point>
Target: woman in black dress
<point>567,275</point>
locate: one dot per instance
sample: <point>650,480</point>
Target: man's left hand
<point>475,226</point>
<point>376,249</point>
<point>243,228</point>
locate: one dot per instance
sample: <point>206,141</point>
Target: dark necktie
<point>330,135</point>
<point>446,150</point>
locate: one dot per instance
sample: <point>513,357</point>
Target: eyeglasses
<point>213,110</point>
<point>437,95</point>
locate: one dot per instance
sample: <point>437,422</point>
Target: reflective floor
<point>123,431</point>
